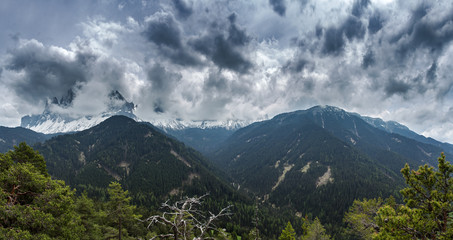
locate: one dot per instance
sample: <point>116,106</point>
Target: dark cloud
<point>433,36</point>
<point>278,6</point>
<point>295,66</point>
<point>203,45</point>
<point>421,32</point>
<point>183,9</point>
<point>416,16</point>
<point>431,74</point>
<point>217,85</point>
<point>334,37</point>
<point>46,72</point>
<point>396,87</point>
<point>368,59</point>
<point>333,41</point>
<point>158,108</point>
<point>224,51</point>
<point>163,83</point>
<point>181,57</point>
<point>309,84</point>
<point>353,28</point>
<point>225,56</point>
<point>216,82</point>
<point>359,7</point>
<point>163,30</point>
<point>318,31</point>
<point>375,22</point>
<point>236,36</point>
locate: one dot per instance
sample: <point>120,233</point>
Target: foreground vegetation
<point>427,212</point>
<point>35,206</point>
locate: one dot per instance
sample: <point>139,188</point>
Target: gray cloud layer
<point>237,59</point>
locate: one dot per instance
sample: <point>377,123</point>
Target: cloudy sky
<point>231,59</point>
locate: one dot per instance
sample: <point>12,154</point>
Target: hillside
<point>319,160</point>
<point>148,163</point>
<point>10,137</point>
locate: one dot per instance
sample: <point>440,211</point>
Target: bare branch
<point>184,219</point>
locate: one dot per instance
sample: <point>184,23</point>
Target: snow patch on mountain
<point>51,121</point>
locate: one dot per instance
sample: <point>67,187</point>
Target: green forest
<point>35,206</point>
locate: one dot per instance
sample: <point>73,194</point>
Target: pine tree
<point>428,212</point>
<point>32,205</point>
<point>120,212</point>
<point>288,233</point>
<point>315,231</point>
<point>25,154</point>
<point>90,216</point>
<point>360,218</point>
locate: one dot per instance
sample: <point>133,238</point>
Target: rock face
<point>53,122</point>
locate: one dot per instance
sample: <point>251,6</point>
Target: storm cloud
<point>183,9</point>
<point>224,47</point>
<point>163,30</point>
<point>46,71</point>
<point>278,6</point>
<point>162,85</point>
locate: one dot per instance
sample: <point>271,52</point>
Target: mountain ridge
<point>325,154</point>
<point>124,150</point>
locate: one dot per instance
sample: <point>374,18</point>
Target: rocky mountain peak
<point>54,122</point>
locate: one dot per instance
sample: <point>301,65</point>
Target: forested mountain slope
<point>148,163</point>
<point>9,137</point>
<point>319,160</point>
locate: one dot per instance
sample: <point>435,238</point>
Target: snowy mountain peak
<point>179,124</point>
<point>55,122</point>
<point>64,102</point>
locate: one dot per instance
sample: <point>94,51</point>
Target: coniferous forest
<point>36,206</point>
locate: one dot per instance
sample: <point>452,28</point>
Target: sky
<point>231,59</point>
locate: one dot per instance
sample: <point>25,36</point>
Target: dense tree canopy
<point>426,214</point>
<point>32,205</point>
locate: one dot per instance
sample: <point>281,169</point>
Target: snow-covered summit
<point>54,122</point>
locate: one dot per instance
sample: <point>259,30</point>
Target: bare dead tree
<point>185,220</point>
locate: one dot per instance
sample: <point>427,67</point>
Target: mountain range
<point>203,135</point>
<point>313,162</point>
